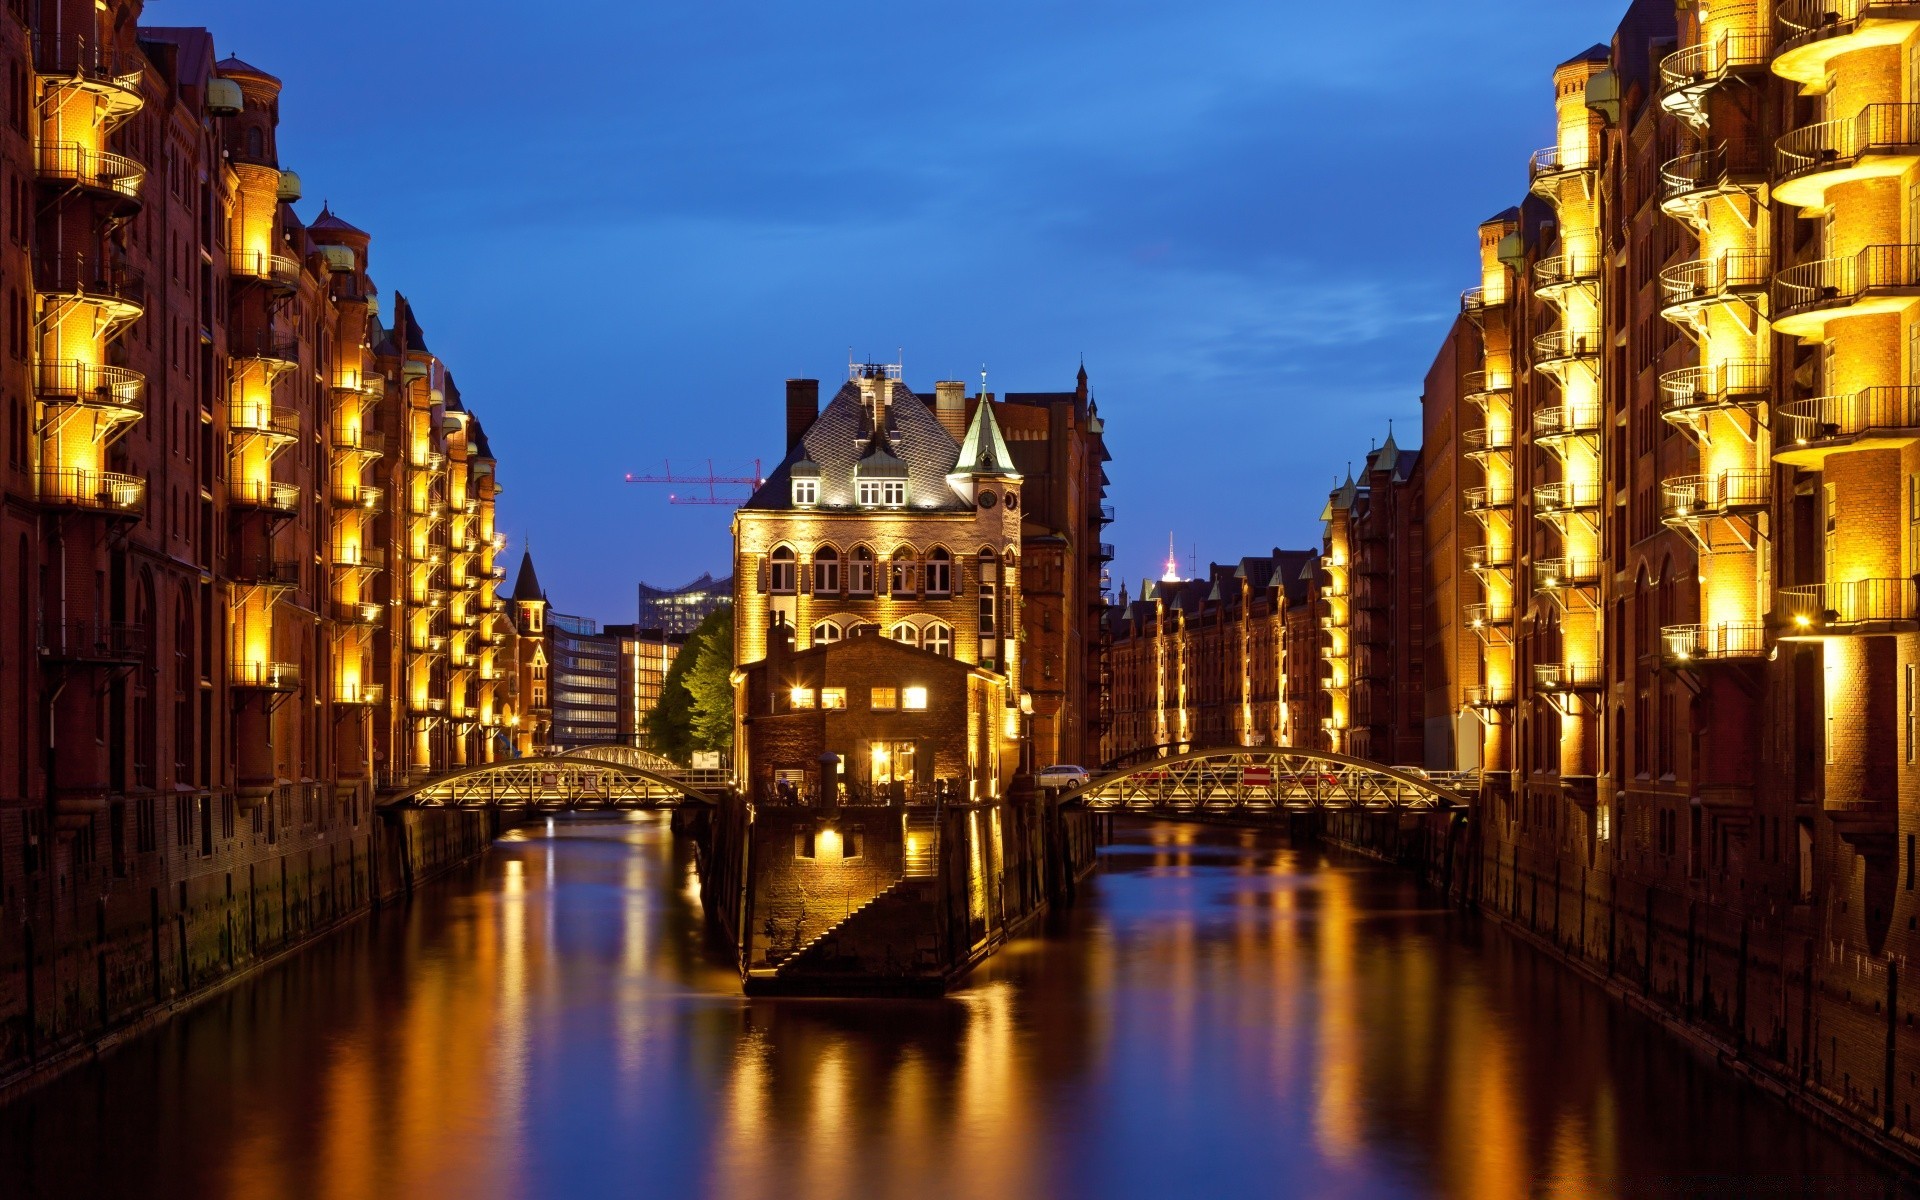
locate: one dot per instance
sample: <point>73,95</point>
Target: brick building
<point>248,525</point>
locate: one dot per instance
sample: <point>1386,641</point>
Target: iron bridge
<point>1270,779</point>
<point>593,778</point>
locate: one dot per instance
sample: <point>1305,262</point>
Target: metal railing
<point>359,556</point>
<point>356,612</point>
<point>1488,438</point>
<point>278,269</point>
<point>1689,497</point>
<point>270,419</point>
<point>358,693</point>
<point>1489,695</point>
<point>427,643</point>
<point>1486,499</point>
<point>1552,574</point>
<point>1563,345</point>
<point>1690,388</point>
<point>67,381</point>
<point>82,640</point>
<point>1828,418</point>
<point>1567,677</point>
<point>1712,169</point>
<point>1565,270</point>
<point>89,277</point>
<point>268,572</point>
<point>265,346</point>
<point>1806,20</point>
<point>1478,385</point>
<point>1830,145</point>
<point>1565,497</point>
<point>1710,280</point>
<point>1480,558</point>
<point>1476,300</point>
<point>1706,63</point>
<point>104,491</point>
<point>1840,281</point>
<point>99,170</point>
<point>1725,639</point>
<point>1479,616</point>
<point>359,495</point>
<point>1850,602</point>
<point>94,60</point>
<point>256,493</point>
<point>1567,420</point>
<point>270,676</point>
<point>1555,161</point>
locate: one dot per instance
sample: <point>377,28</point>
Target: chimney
<point>950,407</point>
<point>803,407</point>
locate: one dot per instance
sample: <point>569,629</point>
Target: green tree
<point>710,683</point>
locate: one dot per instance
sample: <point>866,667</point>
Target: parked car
<point>1062,776</point>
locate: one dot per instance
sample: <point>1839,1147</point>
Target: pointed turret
<point>984,451</point>
<point>526,587</point>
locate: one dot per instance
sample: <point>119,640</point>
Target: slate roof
<point>527,585</point>
<point>835,443</point>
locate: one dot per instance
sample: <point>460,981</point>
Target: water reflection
<point>1223,1015</point>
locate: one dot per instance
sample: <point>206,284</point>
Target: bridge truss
<point>560,783</point>
<point>1252,780</point>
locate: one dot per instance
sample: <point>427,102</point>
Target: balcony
<point>1489,558</point>
<point>80,63</point>
<point>82,641</point>
<point>265,676</point>
<point>279,272</point>
<point>1683,644</point>
<point>111,177</point>
<point>1690,393</point>
<point>1880,141</point>
<point>93,491</point>
<point>1554,168</point>
<point>353,612</point>
<point>1568,677</point>
<point>1688,75</point>
<point>1104,552</point>
<point>1552,276</point>
<point>1557,350</point>
<point>1558,499</point>
<point>426,706</point>
<point>119,291</point>
<point>1489,439</point>
<point>359,495</point>
<point>427,643</point>
<point>358,693</point>
<point>264,420</point>
<point>358,440</point>
<point>1815,32</point>
<point>1561,574</point>
<point>1480,500</point>
<point>267,572</point>
<point>1106,514</point>
<point>1690,499</point>
<point>1836,608</point>
<point>361,557</point>
<point>279,354</point>
<point>1555,425</point>
<point>1479,389</point>
<point>1489,695</point>
<point>279,499</point>
<point>427,460</point>
<point>1877,418</point>
<point>1689,289</point>
<point>1484,616</point>
<point>119,392</point>
<point>1688,183</point>
<point>1475,303</point>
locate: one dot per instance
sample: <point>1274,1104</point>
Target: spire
<point>984,451</point>
<point>1080,380</point>
<point>526,587</point>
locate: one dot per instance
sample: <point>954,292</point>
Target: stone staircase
<point>923,844</point>
<point>895,902</point>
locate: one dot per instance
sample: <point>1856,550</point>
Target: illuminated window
<point>893,492</point>
<point>986,609</point>
<point>824,632</point>
<point>801,697</point>
<point>892,762</point>
<point>860,572</point>
<point>905,634</point>
<point>826,570</point>
<point>884,699</point>
<point>902,582</point>
<point>782,572</point>
<point>833,697</point>
<point>806,492</point>
<point>940,574</point>
<point>867,492</point>
<point>913,698</point>
<point>939,639</point>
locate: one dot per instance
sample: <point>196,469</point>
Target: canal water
<point>1222,1015</point>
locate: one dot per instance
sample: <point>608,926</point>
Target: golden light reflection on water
<point>1223,1014</point>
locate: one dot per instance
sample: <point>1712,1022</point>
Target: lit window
<point>913,698</point>
<point>868,493</point>
<point>833,697</point>
<point>903,564</point>
<point>824,632</point>
<point>806,492</point>
<point>782,573</point>
<point>885,699</point>
<point>860,572</point>
<point>893,492</point>
<point>939,639</point>
<point>905,634</point>
<point>801,697</point>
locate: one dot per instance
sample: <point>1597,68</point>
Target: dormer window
<point>883,493</point>
<point>806,493</point>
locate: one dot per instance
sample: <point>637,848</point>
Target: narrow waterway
<point>1222,1015</point>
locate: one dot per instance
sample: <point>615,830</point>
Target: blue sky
<point>625,226</point>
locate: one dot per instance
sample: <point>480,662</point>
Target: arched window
<point>860,572</point>
<point>940,573</point>
<point>826,570</point>
<point>256,146</point>
<point>902,583</point>
<point>939,639</point>
<point>904,633</point>
<point>825,632</point>
<point>782,578</point>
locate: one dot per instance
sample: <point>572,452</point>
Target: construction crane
<point>711,481</point>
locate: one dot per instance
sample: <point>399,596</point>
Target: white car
<point>1062,777</point>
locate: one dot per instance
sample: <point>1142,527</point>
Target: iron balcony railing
<point>1486,499</point>
<point>1565,345</point>
<point>1567,420</point>
<point>1686,73</point>
<point>273,420</point>
<point>102,491</point>
<point>1722,640</point>
<point>66,381</point>
<point>1477,386</point>
<point>359,495</point>
<point>1554,161</point>
<point>1693,497</point>
<point>1568,677</point>
<point>427,643</point>
<point>1691,389</point>
<point>1480,616</point>
<point>89,277</point>
<point>356,612</point>
<point>1489,695</point>
<point>1833,282</point>
<point>1713,280</point>
<point>427,705</point>
<point>266,676</point>
<point>1852,602</point>
<point>359,556</point>
<point>1831,145</point>
<point>1106,514</point>
<point>268,572</point>
<point>1488,439</point>
<point>93,60</point>
<point>278,269</point>
<point>1475,301</point>
<point>1489,557</point>
<point>358,693</point>
<point>1566,270</point>
<point>1727,164</point>
<point>266,347</point>
<point>1104,552</point>
<point>95,170</point>
<point>264,494</point>
<point>1551,498</point>
<point>1802,21</point>
<point>1831,418</point>
<point>81,640</point>
<point>1555,574</point>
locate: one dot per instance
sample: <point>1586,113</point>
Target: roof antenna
<point>983,381</point>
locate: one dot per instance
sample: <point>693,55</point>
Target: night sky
<point>624,225</point>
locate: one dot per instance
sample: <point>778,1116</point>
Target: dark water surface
<point>1223,1015</point>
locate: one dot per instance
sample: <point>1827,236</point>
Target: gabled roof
<point>984,451</point>
<point>526,586</point>
<point>836,441</point>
